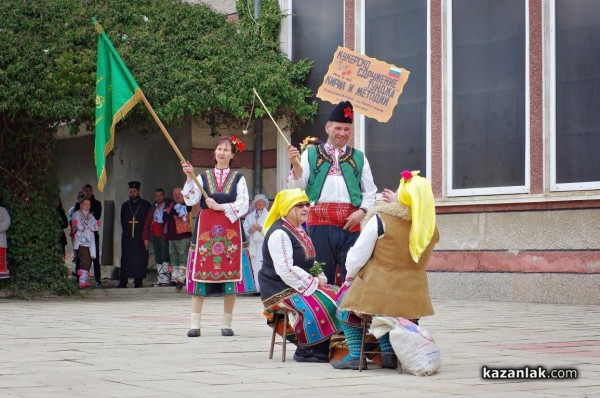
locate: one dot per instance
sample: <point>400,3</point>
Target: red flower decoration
<point>238,145</point>
<point>348,113</point>
<point>407,175</point>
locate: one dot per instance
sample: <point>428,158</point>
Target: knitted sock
<point>195,321</point>
<point>353,339</point>
<point>385,345</point>
<point>226,321</point>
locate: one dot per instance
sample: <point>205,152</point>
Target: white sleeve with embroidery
<point>237,209</point>
<point>361,252</point>
<point>191,193</point>
<point>280,247</point>
<point>369,188</point>
<point>300,182</point>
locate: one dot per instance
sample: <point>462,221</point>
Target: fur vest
<point>391,283</point>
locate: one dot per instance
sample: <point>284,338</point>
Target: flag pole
<point>168,137</point>
<point>296,158</point>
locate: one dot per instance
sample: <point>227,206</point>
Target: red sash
<point>218,254</point>
<point>334,214</point>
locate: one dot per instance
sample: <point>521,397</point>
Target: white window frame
<point>550,95</point>
<point>359,33</point>
<point>285,39</point>
<point>450,191</point>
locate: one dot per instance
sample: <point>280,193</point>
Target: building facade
<point>501,114</point>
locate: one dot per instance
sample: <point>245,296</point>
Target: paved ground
<point>134,345</point>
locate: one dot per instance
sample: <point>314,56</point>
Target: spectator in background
<point>72,232</point>
<point>4,225</point>
<point>179,234</point>
<point>64,223</point>
<point>85,243</point>
<point>253,227</point>
<point>96,211</point>
<point>155,234</point>
<point>134,253</point>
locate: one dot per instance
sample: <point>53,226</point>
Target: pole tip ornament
<point>99,28</point>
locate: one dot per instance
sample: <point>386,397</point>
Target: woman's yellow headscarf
<point>283,203</point>
<point>415,191</point>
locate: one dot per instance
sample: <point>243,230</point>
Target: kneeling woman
<point>386,266</point>
<point>285,279</point>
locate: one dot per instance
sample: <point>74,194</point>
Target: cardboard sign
<point>371,85</point>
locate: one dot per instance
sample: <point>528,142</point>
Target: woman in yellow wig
<point>286,281</point>
<point>386,267</point>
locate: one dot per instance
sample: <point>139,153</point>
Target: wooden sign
<point>371,85</point>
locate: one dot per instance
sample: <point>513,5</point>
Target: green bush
<point>188,60</point>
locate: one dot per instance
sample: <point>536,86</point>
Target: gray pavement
<point>134,345</point>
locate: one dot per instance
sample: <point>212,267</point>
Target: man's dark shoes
<point>226,332</point>
<point>98,285</point>
<point>193,333</point>
<point>307,354</point>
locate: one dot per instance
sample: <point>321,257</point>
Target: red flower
<point>238,145</point>
<point>348,113</point>
<point>407,175</point>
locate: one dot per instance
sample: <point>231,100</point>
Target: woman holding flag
<point>215,261</point>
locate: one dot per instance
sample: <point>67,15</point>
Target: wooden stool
<point>284,312</point>
<point>365,321</point>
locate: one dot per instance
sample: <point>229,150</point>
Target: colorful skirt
<point>311,318</point>
<point>4,272</point>
<point>245,286</point>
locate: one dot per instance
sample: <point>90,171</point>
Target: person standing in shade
<point>64,223</point>
<point>339,184</point>
<point>134,253</point>
<point>253,226</point>
<point>216,243</point>
<point>4,225</point>
<point>96,211</point>
<point>84,243</point>
<point>179,233</point>
<point>155,233</point>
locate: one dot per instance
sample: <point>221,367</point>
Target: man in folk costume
<point>134,253</point>
<point>286,280</point>
<point>253,227</point>
<point>386,267</point>
<point>215,262</point>
<point>339,184</point>
<point>155,233</point>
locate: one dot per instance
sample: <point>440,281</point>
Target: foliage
<point>188,60</point>
<point>27,191</point>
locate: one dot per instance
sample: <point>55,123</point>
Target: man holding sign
<point>339,184</point>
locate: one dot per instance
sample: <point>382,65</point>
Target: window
<point>317,31</point>
<point>576,139</point>
<point>396,32</point>
<point>488,100</point>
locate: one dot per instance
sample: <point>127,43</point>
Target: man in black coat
<point>134,253</point>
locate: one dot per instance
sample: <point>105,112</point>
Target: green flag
<point>116,93</point>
